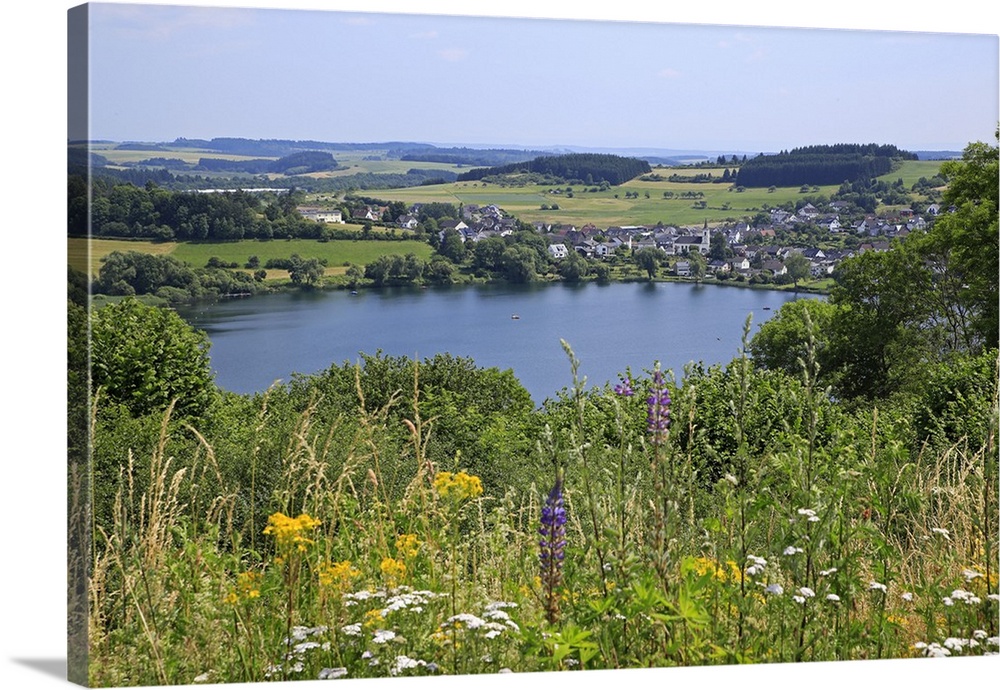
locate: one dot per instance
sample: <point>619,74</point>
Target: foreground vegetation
<point>830,494</point>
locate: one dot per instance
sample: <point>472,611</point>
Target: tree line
<point>820,165</point>
<point>589,168</point>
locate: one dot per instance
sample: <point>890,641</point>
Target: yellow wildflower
<point>289,532</point>
<point>247,587</point>
<point>373,618</point>
<point>458,486</point>
<point>394,570</point>
<point>407,545</point>
<point>338,576</point>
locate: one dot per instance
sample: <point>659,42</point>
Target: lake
<point>610,327</point>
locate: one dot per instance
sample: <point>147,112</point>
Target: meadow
<point>612,206</point>
<point>730,518</point>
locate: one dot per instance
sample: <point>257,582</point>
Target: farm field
<point>611,207</point>
<point>337,253</point>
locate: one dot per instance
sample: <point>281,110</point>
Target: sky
<point>161,72</point>
<point>940,106</point>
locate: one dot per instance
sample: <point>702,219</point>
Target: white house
<point>558,251</point>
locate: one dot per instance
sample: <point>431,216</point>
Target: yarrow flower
<point>756,566</point>
<point>809,514</point>
<point>658,409</point>
<point>774,588</point>
<point>792,550</point>
<point>551,546</point>
<point>832,597</point>
<point>872,586</point>
<point>828,571</point>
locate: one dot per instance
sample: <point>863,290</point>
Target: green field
<point>610,207</point>
<point>338,253</point>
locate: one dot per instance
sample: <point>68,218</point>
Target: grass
<point>336,252</point>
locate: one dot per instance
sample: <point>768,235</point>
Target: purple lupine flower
<point>625,387</point>
<point>658,408</point>
<point>551,547</point>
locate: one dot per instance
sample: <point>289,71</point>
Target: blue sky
<point>200,72</point>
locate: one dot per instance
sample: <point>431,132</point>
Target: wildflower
<point>979,634</point>
<point>809,514</point>
<point>756,567</point>
<point>933,649</point>
<point>971,575</point>
<point>731,479</point>
<point>332,673</point>
<point>907,596</point>
<point>658,409</point>
<point>458,486</point>
<point>828,571</point>
<point>774,588</point>
<point>338,576</point>
<point>947,601</point>
<point>799,599</point>
<point>407,545</point>
<point>806,592</point>
<point>470,621</point>
<point>393,570</point>
<point>354,629</point>
<point>383,636</point>
<point>551,545</point>
<point>994,597</point>
<point>791,550</point>
<point>942,531</point>
<point>625,387</point>
<point>832,597</point>
<point>966,596</point>
<point>872,586</point>
<point>289,532</point>
<point>404,662</point>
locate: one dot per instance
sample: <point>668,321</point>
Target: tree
<point>145,357</point>
<point>782,341</point>
<point>518,264</point>
<point>698,265</point>
<point>573,267</point>
<point>798,267</point>
<point>452,246</point>
<point>305,272</point>
<point>648,259</point>
<point>718,247</point>
<point>963,244</point>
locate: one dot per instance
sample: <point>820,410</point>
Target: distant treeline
<point>820,165</point>
<point>467,156</point>
<point>588,168</point>
<point>276,148</point>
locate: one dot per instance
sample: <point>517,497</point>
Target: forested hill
<point>588,168</point>
<point>819,165</point>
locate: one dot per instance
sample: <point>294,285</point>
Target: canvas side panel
<point>78,513</point>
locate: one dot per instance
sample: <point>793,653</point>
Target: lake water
<point>610,327</point>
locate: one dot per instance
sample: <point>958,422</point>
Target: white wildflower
<point>971,575</point>
<point>806,592</point>
<point>832,597</point>
<point>383,636</point>
<point>947,601</point>
<point>404,662</point>
<point>304,647</point>
<point>936,650</point>
<point>994,597</point>
<point>942,531</point>
<point>955,643</point>
<point>791,550</point>
<point>332,673</point>
<point>979,634</point>
<point>202,678</point>
<point>872,586</point>
<point>757,566</point>
<point>798,599</point>
<point>774,588</point>
<point>829,571</point>
<point>471,621</point>
<point>353,629</point>
<point>907,596</point>
<point>492,633</point>
<point>505,670</point>
<point>995,641</point>
<point>732,479</point>
<point>809,514</point>
<point>494,605</point>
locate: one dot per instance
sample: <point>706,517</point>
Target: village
<point>740,250</point>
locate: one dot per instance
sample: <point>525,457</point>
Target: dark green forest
<point>820,165</point>
<point>588,168</point>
